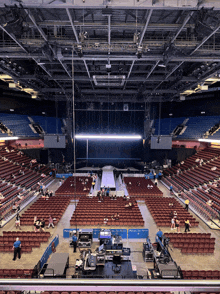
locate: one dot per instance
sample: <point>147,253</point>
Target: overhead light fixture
<point>8,138</point>
<point>109,137</point>
<point>209,140</point>
<point>108,67</point>
<point>170,114</point>
<point>12,109</point>
<point>162,65</point>
<point>202,112</point>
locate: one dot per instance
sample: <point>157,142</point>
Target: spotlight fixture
<point>108,67</point>
<point>79,50</point>
<point>139,52</point>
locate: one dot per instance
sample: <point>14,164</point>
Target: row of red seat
<point>201,275</point>
<point>103,292</point>
<point>91,212</point>
<point>73,186</point>
<point>15,273</point>
<point>139,186</point>
<point>54,206</point>
<point>161,211</point>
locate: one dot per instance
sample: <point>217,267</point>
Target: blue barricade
<point>96,233</point>
<point>48,251</point>
<point>120,232</point>
<point>60,176</point>
<point>138,233</point>
<point>66,232</point>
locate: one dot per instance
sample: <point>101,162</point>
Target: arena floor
<point>186,262</point>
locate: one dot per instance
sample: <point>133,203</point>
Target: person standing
<point>159,234</point>
<point>171,190</point>
<point>187,204</point>
<point>74,239</point>
<point>17,249</point>
<point>50,222</point>
<point>155,182</point>
<point>178,225</point>
<point>173,223</point>
<point>187,225</point>
<point>42,225</point>
<point>17,221</point>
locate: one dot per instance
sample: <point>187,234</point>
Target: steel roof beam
<point>77,40</point>
<point>205,39</point>
<point>182,26</point>
<point>139,44</point>
<point>43,35</point>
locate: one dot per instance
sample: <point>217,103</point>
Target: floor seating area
<point>161,210</point>
<point>90,211</point>
<point>75,186</point>
<point>192,243</point>
<point>54,206</point>
<point>139,187</point>
<point>28,240</point>
<point>201,275</point>
<point>14,274</point>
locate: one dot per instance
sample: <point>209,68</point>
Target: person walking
<point>74,240</point>
<point>17,249</point>
<point>187,225</point>
<point>187,204</point>
<point>155,182</point>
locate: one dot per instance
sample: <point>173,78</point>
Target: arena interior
<point>109,146</point>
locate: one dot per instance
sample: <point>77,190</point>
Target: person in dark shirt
<point>74,240</point>
<point>17,249</point>
<point>42,225</point>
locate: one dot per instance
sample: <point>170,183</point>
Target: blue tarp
<point>48,251</point>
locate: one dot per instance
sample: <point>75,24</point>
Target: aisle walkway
<point>108,177</point>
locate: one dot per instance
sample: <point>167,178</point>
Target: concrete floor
<point>190,262</point>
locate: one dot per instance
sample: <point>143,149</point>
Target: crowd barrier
<point>124,233</point>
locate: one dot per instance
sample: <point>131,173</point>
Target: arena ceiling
<point>118,51</point>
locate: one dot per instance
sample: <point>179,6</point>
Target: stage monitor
<point>54,141</point>
<point>161,142</point>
